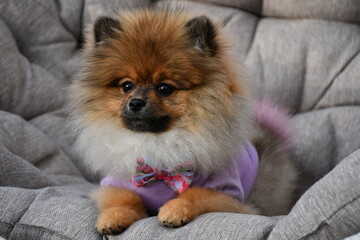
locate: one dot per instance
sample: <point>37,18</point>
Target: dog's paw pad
<point>115,220</point>
<point>176,213</point>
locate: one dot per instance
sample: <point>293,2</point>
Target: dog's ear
<point>105,27</point>
<point>202,32</point>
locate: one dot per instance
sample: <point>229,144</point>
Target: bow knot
<point>178,179</point>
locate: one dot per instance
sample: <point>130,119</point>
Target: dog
<point>161,110</point>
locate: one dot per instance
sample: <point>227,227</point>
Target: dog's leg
<point>196,201</point>
<point>119,208</point>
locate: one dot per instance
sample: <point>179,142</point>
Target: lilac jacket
<point>236,180</point>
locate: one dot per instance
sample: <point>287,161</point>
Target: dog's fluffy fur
<point>207,117</point>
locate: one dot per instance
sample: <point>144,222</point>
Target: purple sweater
<point>236,180</point>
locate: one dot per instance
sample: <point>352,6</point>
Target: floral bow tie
<point>178,179</point>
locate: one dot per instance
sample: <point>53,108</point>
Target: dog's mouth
<point>154,125</point>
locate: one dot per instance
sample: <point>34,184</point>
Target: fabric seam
<point>323,223</point>
<point>42,228</point>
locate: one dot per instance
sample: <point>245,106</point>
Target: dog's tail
<point>274,120</point>
<point>276,188</point>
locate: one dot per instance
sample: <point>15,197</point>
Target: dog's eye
<point>127,86</point>
<point>165,89</point>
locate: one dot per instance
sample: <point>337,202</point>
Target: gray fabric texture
<point>302,54</point>
<point>347,10</point>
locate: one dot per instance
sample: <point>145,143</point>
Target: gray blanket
<point>302,54</point>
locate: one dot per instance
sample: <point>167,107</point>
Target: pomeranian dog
<point>161,112</point>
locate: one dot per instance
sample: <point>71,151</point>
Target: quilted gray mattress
<point>302,54</point>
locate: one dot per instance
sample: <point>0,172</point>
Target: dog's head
<point>154,72</point>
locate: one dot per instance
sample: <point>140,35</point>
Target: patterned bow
<point>178,179</point>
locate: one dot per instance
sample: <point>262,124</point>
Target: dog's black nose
<point>136,104</point>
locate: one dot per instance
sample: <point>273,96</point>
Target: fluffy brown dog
<point>158,86</point>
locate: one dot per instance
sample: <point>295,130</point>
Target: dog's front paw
<point>115,220</point>
<point>176,213</point>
